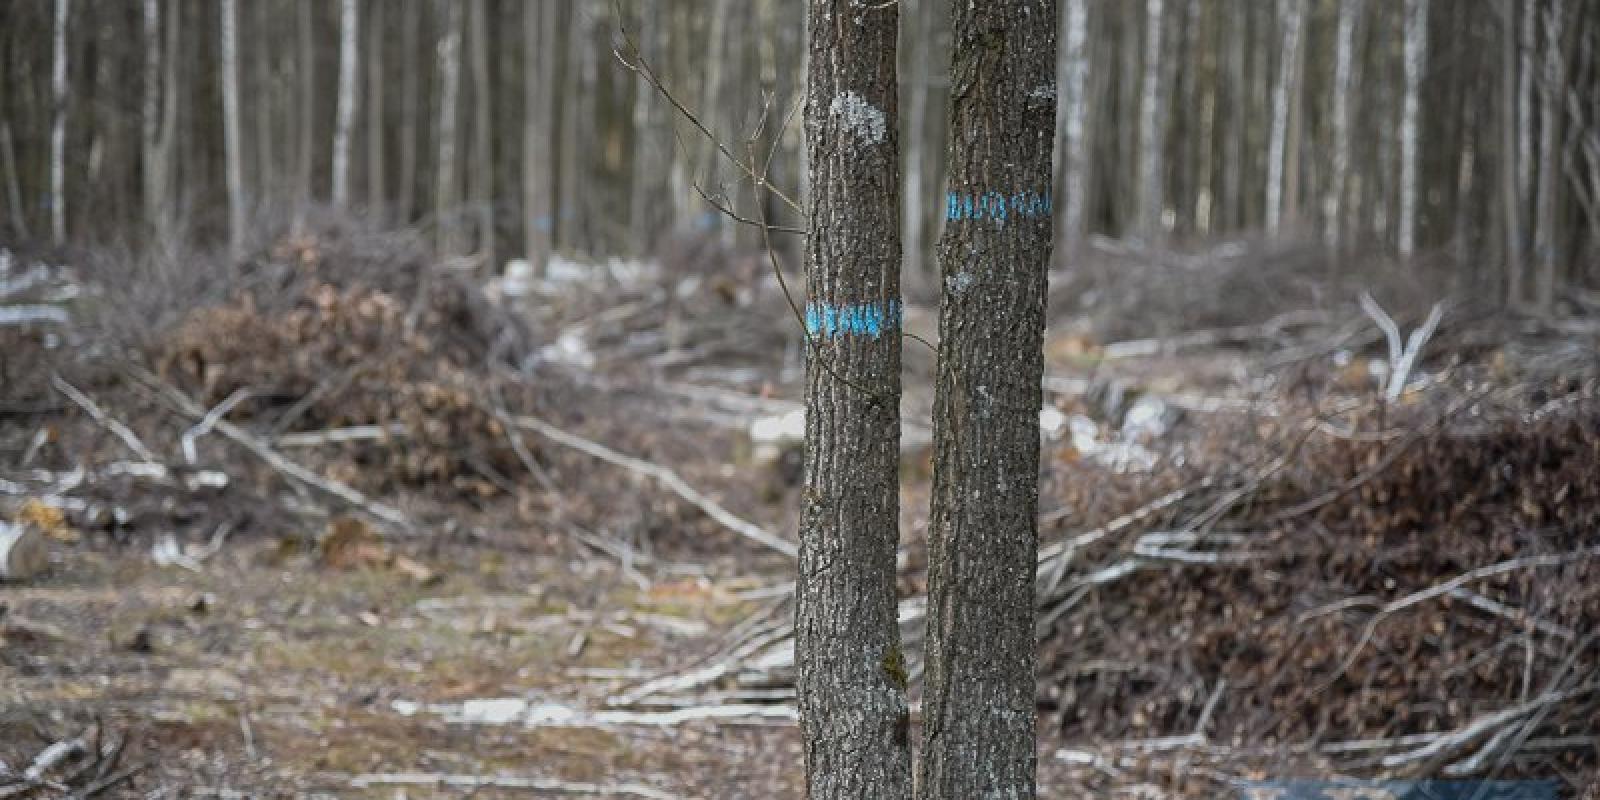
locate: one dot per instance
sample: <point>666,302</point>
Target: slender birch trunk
<point>409,112</point>
<point>345,112</point>
<point>58,124</point>
<point>851,684</point>
<point>1071,147</point>
<point>1511,169</point>
<point>446,204</point>
<point>230,126</point>
<point>648,162</point>
<point>151,171</point>
<point>1343,91</point>
<point>377,124</point>
<point>540,19</point>
<point>1152,126</point>
<point>305,150</point>
<point>1416,50</point>
<point>1547,207</point>
<point>978,731</point>
<point>1291,15</point>
<point>483,161</point>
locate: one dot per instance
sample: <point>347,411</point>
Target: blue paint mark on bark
<point>996,205</point>
<point>856,319</point>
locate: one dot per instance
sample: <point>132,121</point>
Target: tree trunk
<point>305,151</point>
<point>1343,89</point>
<point>978,734</point>
<point>851,671</point>
<point>8,159</point>
<point>58,124</point>
<point>1547,205</point>
<point>345,114</point>
<point>1071,148</point>
<point>483,156</point>
<point>539,67</point>
<point>446,212</point>
<point>409,112</point>
<point>915,209</point>
<point>649,160</point>
<point>1291,14</point>
<point>377,124</point>
<point>1152,127</point>
<point>1416,50</point>
<point>151,171</point>
<point>1510,169</point>
<point>230,126</point>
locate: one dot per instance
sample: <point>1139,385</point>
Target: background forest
<point>401,397</point>
<point>1459,129</point>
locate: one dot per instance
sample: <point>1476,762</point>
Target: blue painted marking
<point>856,319</point>
<point>1398,790</point>
<point>996,206</point>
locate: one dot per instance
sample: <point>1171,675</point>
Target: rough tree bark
<point>345,112</point>
<point>230,126</point>
<point>851,671</point>
<point>978,718</point>
<point>1416,50</point>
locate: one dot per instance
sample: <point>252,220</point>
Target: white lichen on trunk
<point>859,117</point>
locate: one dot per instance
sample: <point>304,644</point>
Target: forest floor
<point>310,532</point>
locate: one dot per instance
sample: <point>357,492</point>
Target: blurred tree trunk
<point>58,123</point>
<point>540,23</point>
<point>305,149</point>
<point>1552,85</point>
<point>1416,50</point>
<point>345,112</point>
<point>446,206</point>
<point>409,113</point>
<point>230,127</point>
<point>978,732</point>
<point>1152,127</point>
<point>155,128</point>
<point>852,676</point>
<point>8,159</point>
<point>377,123</point>
<point>1510,155</point>
<point>648,124</point>
<point>483,162</point>
<point>1343,89</point>
<point>1291,16</point>
<point>1070,149</point>
<point>919,43</point>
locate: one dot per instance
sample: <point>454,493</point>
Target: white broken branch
<point>105,420</point>
<point>666,478</point>
<point>437,779</point>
